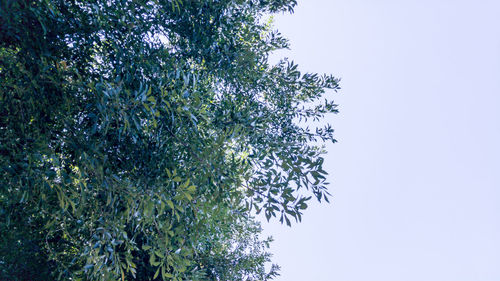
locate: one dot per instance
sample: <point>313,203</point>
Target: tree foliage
<point>137,138</point>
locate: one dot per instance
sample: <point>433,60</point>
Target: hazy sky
<point>416,172</point>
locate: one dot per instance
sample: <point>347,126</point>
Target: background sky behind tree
<point>416,173</point>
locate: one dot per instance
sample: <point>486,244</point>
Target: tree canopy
<point>138,138</point>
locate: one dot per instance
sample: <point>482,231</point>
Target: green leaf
<point>159,254</point>
<point>152,259</point>
<point>156,273</point>
<point>170,204</point>
<point>191,188</point>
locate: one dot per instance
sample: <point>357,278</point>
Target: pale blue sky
<point>416,173</point>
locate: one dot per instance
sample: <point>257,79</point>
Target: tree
<point>137,138</point>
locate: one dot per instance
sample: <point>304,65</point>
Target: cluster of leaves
<point>136,138</point>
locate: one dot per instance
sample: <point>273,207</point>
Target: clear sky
<point>416,172</point>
